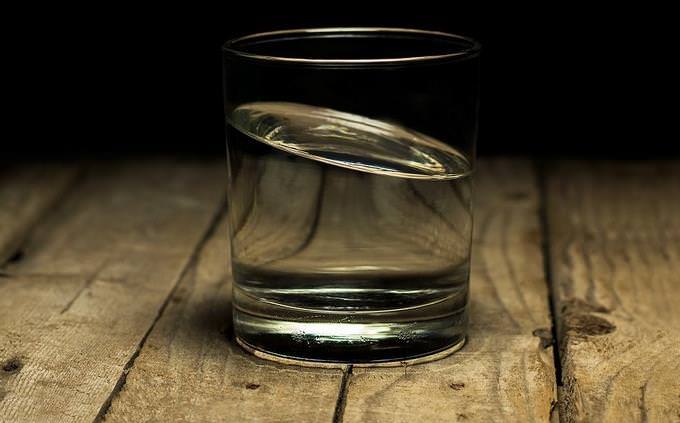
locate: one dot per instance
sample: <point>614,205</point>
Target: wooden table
<point>115,303</point>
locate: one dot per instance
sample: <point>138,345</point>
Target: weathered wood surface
<point>190,369</point>
<point>93,277</point>
<point>505,372</point>
<point>26,194</point>
<point>615,259</point>
<point>123,282</point>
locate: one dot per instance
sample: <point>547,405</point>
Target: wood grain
<point>102,259</point>
<point>93,278</point>
<point>505,372</point>
<point>27,193</point>
<point>615,249</point>
<point>189,370</point>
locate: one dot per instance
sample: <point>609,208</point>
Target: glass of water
<point>350,156</point>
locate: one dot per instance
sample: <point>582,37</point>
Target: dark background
<point>565,81</point>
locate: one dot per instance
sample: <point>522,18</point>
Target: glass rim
<point>473,46</point>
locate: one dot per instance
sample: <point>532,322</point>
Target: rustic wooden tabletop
<point>115,292</point>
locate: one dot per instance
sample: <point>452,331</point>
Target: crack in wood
<point>83,288</point>
<point>643,407</point>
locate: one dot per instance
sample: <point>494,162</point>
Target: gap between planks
<point>541,175</point>
<point>192,261</point>
<point>342,394</point>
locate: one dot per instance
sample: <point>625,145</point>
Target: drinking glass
<point>350,159</point>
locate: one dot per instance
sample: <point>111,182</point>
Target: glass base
<point>330,364</point>
<point>322,339</point>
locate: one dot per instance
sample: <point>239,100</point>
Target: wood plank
<point>615,259</point>
<point>504,372</point>
<point>93,278</point>
<point>27,193</point>
<point>189,370</point>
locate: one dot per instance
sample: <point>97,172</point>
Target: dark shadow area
<point>211,319</point>
<point>556,81</point>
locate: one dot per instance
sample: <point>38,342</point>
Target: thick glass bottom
<point>311,363</point>
<point>322,337</point>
